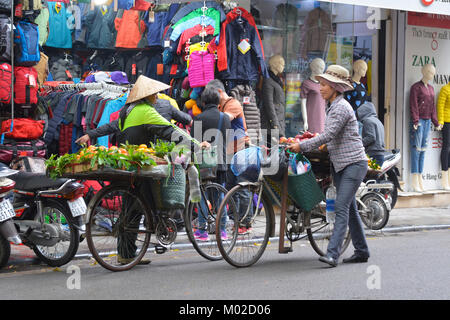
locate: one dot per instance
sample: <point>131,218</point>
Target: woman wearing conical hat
<point>349,163</point>
<point>139,122</point>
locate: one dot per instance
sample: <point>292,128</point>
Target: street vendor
<point>140,123</point>
<point>349,163</point>
<point>143,119</point>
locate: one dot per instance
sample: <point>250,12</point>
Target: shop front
<point>395,46</point>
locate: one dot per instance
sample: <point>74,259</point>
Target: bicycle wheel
<point>200,221</point>
<point>319,231</point>
<point>119,227</point>
<point>249,225</point>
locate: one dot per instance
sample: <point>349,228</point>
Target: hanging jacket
<point>101,32</point>
<point>137,65</point>
<point>222,62</point>
<point>60,36</point>
<point>210,12</point>
<point>184,11</point>
<point>244,66</point>
<point>130,28</point>
<point>42,21</point>
<point>162,19</point>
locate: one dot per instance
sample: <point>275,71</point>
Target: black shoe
<point>355,259</point>
<point>332,262</point>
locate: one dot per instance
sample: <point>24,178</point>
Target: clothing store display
<point>421,103</point>
<point>315,105</point>
<point>316,31</point>
<point>358,96</point>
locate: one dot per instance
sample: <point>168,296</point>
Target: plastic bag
<point>247,163</point>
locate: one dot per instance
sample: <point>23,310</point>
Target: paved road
<point>412,265</point>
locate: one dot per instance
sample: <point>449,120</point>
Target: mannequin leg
<point>415,182</point>
<point>445,156</point>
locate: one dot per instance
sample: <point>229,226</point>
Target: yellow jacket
<point>443,105</point>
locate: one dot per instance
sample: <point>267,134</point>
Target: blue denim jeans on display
<point>347,182</point>
<point>419,143</point>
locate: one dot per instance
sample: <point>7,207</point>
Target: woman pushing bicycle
<point>349,163</point>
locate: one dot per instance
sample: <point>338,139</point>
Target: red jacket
<point>130,28</point>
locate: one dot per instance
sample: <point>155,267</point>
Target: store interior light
<point>100,2</point>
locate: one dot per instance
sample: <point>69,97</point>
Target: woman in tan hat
<point>349,163</point>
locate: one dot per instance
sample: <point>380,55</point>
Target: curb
<point>182,246</point>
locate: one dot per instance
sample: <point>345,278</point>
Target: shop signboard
<point>427,44</point>
<point>441,7</point>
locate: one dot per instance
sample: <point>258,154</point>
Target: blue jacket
<point>59,36</point>
<point>155,30</point>
<point>243,66</point>
<point>111,107</point>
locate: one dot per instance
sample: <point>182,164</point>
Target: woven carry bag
<point>170,193</point>
<point>303,188</point>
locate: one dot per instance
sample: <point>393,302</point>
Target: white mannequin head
<point>317,67</point>
<point>276,64</point>
<point>428,72</point>
<point>359,70</point>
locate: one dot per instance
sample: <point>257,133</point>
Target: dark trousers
<point>347,182</point>
<point>445,153</point>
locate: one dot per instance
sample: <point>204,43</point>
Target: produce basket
<point>170,193</point>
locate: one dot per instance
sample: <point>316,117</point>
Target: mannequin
<point>358,96</point>
<point>313,105</point>
<point>273,98</point>
<point>423,112</point>
<point>443,115</point>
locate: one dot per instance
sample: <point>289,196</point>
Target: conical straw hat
<point>145,87</point>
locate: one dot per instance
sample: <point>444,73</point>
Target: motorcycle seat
<point>30,181</point>
<point>389,156</point>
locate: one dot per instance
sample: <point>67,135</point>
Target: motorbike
<point>47,215</point>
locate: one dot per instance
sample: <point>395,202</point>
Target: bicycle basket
<point>206,158</point>
<point>303,188</point>
<point>170,193</point>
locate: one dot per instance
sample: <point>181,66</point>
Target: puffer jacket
<point>443,105</point>
<point>247,98</point>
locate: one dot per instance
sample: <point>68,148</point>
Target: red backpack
<point>25,87</point>
<point>5,83</point>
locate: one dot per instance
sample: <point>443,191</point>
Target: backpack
<point>25,85</point>
<point>26,38</point>
<point>5,38</point>
<point>5,83</point>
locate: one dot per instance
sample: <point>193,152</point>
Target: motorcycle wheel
<point>59,215</point>
<point>376,216</point>
<point>5,251</point>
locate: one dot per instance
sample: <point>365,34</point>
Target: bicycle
<point>122,217</point>
<point>246,246</point>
